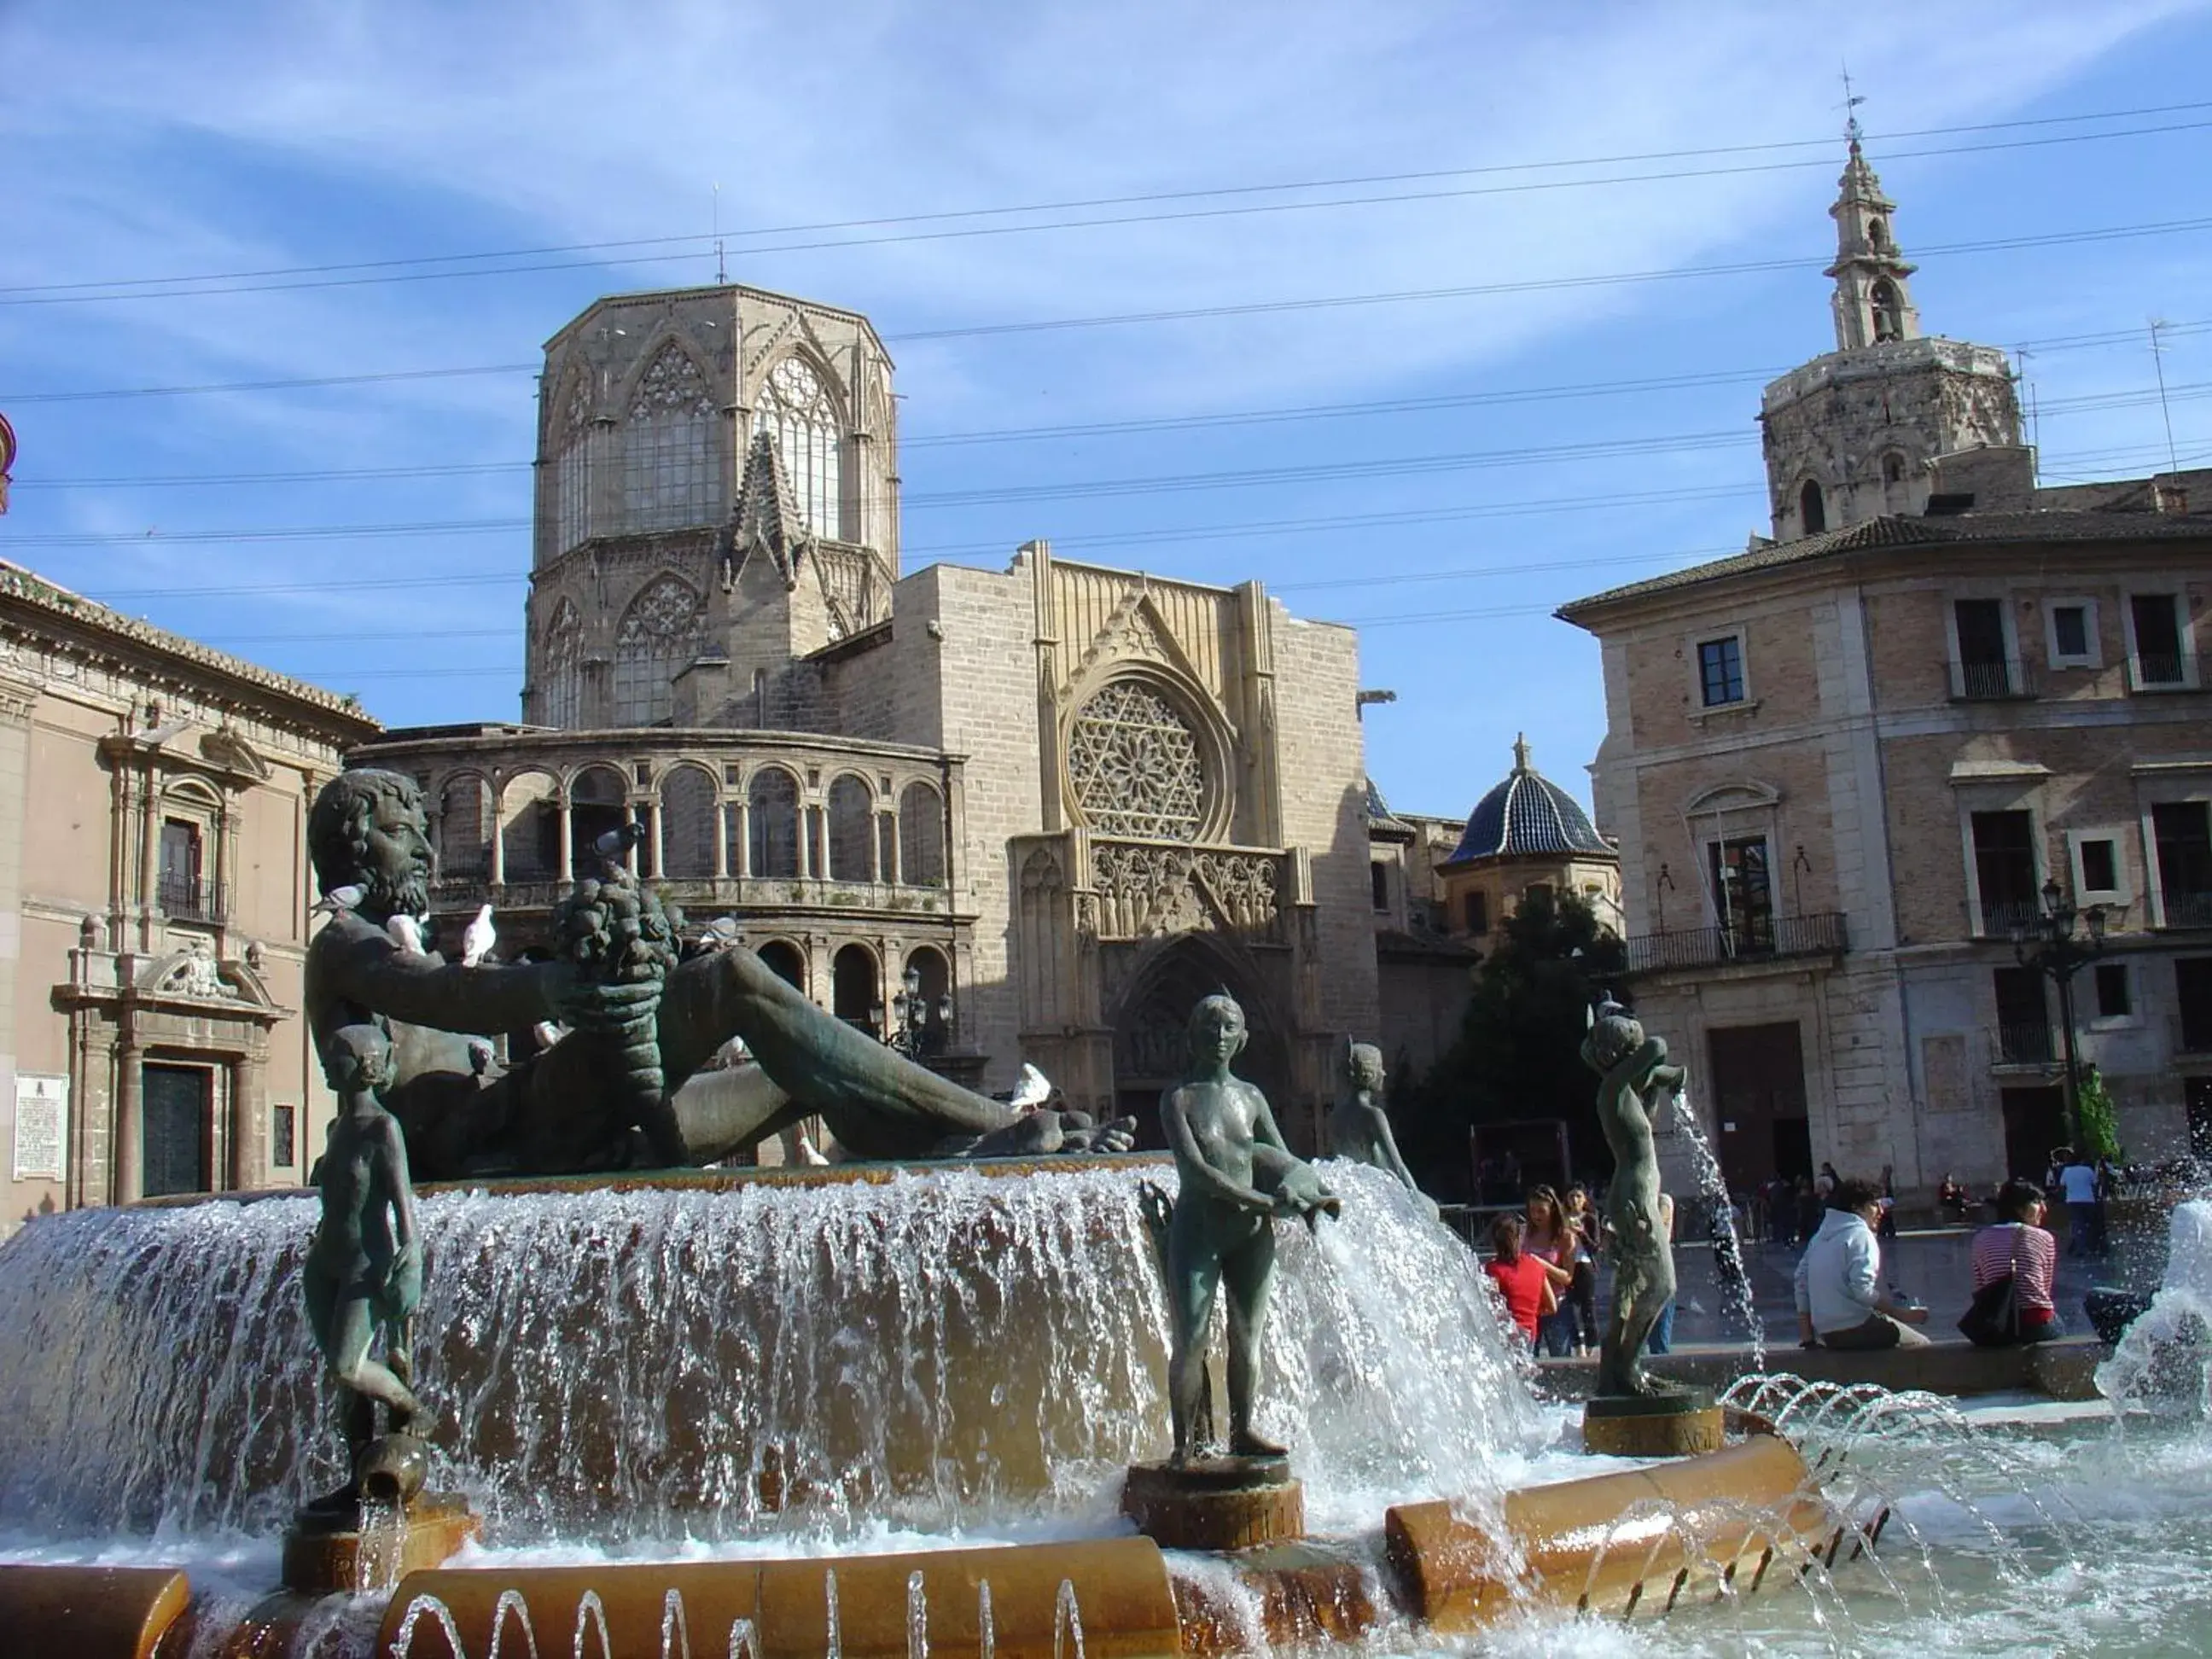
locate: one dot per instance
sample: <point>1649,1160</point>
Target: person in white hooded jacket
<point>1839,1299</point>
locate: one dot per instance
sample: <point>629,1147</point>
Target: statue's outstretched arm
<point>356,963</point>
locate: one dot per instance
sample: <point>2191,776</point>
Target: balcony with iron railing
<point>2027,1043</point>
<point>1768,939</point>
<point>186,898</point>
<point>2000,916</point>
<point>1990,682</point>
<point>2152,673</point>
<point>2186,909</point>
<point>2192,1032</point>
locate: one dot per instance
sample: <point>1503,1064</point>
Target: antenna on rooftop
<point>1851,102</point>
<point>2158,361</point>
<point>722,273</point>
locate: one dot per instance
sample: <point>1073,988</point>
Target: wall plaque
<point>41,1127</point>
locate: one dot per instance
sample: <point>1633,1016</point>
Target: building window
<point>920,836</point>
<point>1720,671</point>
<point>1478,912</point>
<point>1812,510</point>
<point>2072,640</point>
<point>796,407</point>
<point>2192,985</point>
<point>772,812</point>
<point>1133,763</point>
<point>1378,883</point>
<point>1888,314</point>
<point>2113,1001</point>
<point>671,448</point>
<point>2023,1018</point>
<point>2100,867</point>
<point>560,668</point>
<point>1984,654</point>
<point>2181,832</point>
<point>1743,894</point>
<point>183,894</point>
<point>283,1132</point>
<point>2004,871</point>
<point>2156,640</point>
<point>657,637</point>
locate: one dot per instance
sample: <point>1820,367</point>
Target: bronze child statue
<point>1236,1177</point>
<point>363,1273</point>
<point>1360,1126</point>
<point>1636,1083</point>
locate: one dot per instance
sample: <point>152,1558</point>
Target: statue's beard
<point>406,895</point>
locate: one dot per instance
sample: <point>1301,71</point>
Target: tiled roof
<point>2026,524</point>
<point>1526,813</point>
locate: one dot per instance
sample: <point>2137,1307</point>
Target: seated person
<point>2019,1248</point>
<point>1840,1304</point>
<point>1522,1280</point>
<point>1951,1197</point>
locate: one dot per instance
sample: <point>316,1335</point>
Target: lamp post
<point>911,1034</point>
<point>2049,946</point>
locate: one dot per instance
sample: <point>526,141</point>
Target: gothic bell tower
<point>1854,434</point>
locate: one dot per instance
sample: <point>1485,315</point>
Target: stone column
<point>495,858</point>
<point>567,865</point>
<point>741,837</point>
<point>129,1162</point>
<point>249,1121</point>
<point>659,841</point>
<point>806,864</point>
<point>722,821</point>
<point>629,853</point>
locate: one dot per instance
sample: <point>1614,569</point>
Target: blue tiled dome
<point>1526,813</point>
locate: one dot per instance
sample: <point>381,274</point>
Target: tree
<point>1517,1056</point>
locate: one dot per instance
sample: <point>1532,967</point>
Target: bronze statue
<point>364,1274</point>
<point>1360,1126</point>
<point>1636,1083</point>
<point>1236,1176</point>
<point>567,1109</point>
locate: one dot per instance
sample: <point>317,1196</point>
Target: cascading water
<point>945,1350</point>
<point>2163,1361</point>
<point>1728,1272</point>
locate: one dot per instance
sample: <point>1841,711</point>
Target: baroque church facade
<point>1028,814</point>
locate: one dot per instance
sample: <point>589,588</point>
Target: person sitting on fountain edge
<point>1840,1304</point>
<point>1236,1176</point>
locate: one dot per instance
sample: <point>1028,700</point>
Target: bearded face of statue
<point>396,862</point>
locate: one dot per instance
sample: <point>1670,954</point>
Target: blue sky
<point>1503,450</point>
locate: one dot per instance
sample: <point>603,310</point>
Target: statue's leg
<point>1193,1276</point>
<point>877,1103</point>
<point>1249,1271</point>
<point>353,1328</point>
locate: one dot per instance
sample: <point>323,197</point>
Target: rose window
<point>1132,760</point>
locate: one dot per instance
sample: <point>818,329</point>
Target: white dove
<point>338,899</point>
<point>407,933</point>
<point>478,938</point>
<point>1031,1091</point>
<point>808,1153</point>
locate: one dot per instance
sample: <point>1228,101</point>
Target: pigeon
<point>339,898</point>
<point>478,938</point>
<point>1031,1091</point>
<point>808,1154</point>
<point>407,933</point>
<point>614,842</point>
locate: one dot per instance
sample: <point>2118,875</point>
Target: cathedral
<point>1028,814</point>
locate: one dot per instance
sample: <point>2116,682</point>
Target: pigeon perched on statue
<point>339,898</point>
<point>407,933</point>
<point>1031,1091</point>
<point>479,937</point>
<point>614,845</point>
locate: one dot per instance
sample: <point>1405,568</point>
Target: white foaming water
<point>1733,1281</point>
<point>946,1351</point>
<point>2163,1361</point>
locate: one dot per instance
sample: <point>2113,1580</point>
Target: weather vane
<point>1851,102</point>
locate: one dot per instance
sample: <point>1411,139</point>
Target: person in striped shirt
<point>2019,1245</point>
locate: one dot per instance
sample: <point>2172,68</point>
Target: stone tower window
<point>560,668</point>
<point>796,407</point>
<point>1888,315</point>
<point>1812,509</point>
<point>658,635</point>
<point>1878,233</point>
<point>671,447</point>
<point>1133,762</point>
<point>572,471</point>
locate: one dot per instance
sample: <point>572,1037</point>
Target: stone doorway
<point>1759,1099</point>
<point>178,1129</point>
<point>2034,1123</point>
<point>1149,1052</point>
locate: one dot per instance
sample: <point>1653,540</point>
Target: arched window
<point>595,807</point>
<point>688,813</point>
<point>560,668</point>
<point>1133,763</point>
<point>1888,315</point>
<point>934,977</point>
<point>772,807</point>
<point>1893,468</point>
<point>572,468</point>
<point>657,636</point>
<point>465,828</point>
<point>852,829</point>
<point>671,448</point>
<point>921,836</point>
<point>1878,232</point>
<point>1812,510</point>
<point>530,827</point>
<point>855,989</point>
<point>795,405</point>
<point>783,959</point>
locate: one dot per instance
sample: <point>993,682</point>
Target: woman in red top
<point>1522,1280</point>
<point>2018,1245</point>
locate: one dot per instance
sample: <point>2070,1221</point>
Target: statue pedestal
<point>353,1549</point>
<point>1215,1503</point>
<point>1658,1426</point>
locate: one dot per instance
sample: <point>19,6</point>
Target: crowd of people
<point>1545,1260</point>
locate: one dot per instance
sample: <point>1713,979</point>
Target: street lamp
<point>911,1034</point>
<point>2049,946</point>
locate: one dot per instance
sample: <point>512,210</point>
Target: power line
<point>381,272</point>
